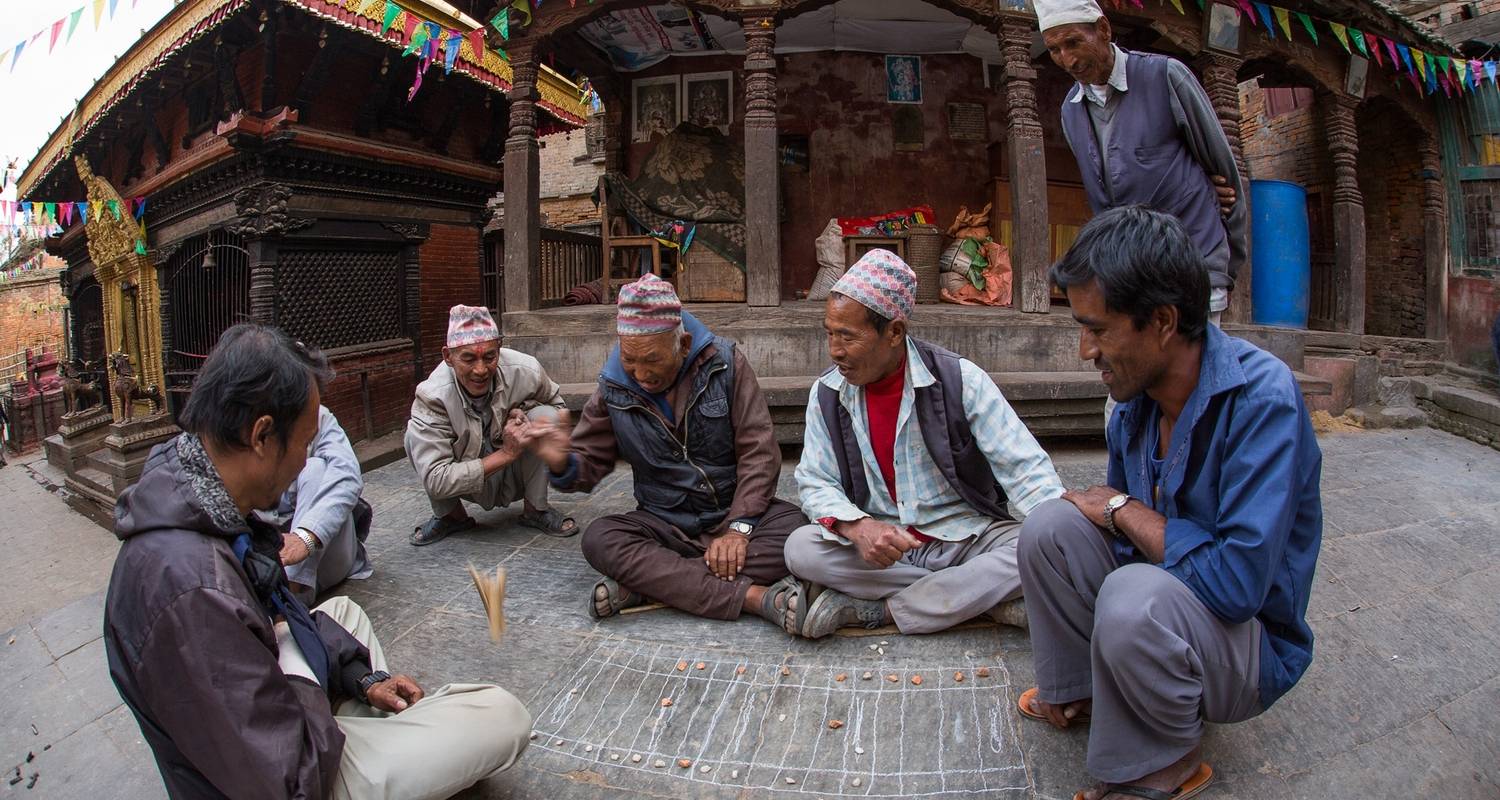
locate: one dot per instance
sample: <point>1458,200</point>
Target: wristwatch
<point>313,545</point>
<point>741,527</point>
<point>370,680</point>
<point>1110,507</point>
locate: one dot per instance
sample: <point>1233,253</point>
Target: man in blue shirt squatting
<point>1177,593</point>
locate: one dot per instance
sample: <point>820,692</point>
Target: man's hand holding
<point>1225,192</point>
<point>879,544</point>
<point>394,694</point>
<point>726,554</point>
<point>552,440</point>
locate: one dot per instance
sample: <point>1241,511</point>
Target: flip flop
<point>619,597</point>
<point>784,589</point>
<point>1192,787</point>
<point>550,522</point>
<point>1023,703</point>
<point>834,609</point>
<point>437,529</point>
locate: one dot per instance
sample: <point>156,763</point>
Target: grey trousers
<point>932,587</point>
<point>454,737</point>
<point>341,557</point>
<point>526,477</point>
<point>1155,660</point>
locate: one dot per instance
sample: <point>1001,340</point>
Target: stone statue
<point>77,392</point>
<point>128,388</point>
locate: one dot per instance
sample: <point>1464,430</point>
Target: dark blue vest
<point>1148,160</point>
<point>945,431</point>
<point>687,482</point>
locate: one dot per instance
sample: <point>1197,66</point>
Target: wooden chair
<point>631,248</point>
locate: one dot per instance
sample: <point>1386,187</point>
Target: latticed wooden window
<point>339,298</point>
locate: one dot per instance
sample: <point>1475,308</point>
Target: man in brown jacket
<point>464,437</point>
<point>685,409</point>
<point>239,690</point>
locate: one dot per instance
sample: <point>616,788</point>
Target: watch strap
<point>370,680</point>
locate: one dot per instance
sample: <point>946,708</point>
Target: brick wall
<point>1390,181</point>
<point>560,212</point>
<point>566,169</point>
<point>30,313</point>
<point>385,379</point>
<point>450,275</point>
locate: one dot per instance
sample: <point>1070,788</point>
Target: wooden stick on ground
<point>491,589</point>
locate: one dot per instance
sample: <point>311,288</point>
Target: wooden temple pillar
<point>762,175</point>
<point>1219,74</point>
<point>523,203</point>
<point>1337,110</point>
<point>1031,253</point>
<point>262,220</point>
<point>1435,238</point>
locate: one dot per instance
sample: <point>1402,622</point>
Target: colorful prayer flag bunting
<point>520,5</point>
<point>1359,42</point>
<point>56,31</point>
<point>1375,48</point>
<point>1284,18</point>
<point>1265,15</point>
<point>1421,59</point>
<point>1341,33</point>
<point>73,23</point>
<point>98,12</point>
<point>476,42</point>
<point>391,12</point>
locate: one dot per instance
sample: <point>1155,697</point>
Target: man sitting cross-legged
<point>239,690</point>
<point>909,456</point>
<point>1176,594</point>
<point>465,436</point>
<point>683,407</point>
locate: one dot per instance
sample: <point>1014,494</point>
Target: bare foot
<point>601,601</point>
<point>1166,779</point>
<point>1062,715</point>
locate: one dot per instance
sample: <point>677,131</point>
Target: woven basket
<point>924,243</point>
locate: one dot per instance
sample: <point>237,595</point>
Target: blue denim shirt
<point>1239,489</point>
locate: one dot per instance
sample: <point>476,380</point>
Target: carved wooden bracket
<point>263,212</point>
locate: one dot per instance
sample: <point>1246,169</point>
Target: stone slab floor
<point>1400,700</point>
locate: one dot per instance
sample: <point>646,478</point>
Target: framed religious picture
<point>708,99</point>
<point>1359,71</point>
<point>1221,28</point>
<point>654,106</point>
<point>903,79</point>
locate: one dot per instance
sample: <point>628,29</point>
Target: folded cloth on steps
<point>585,294</point>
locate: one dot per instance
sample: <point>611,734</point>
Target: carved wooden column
<point>263,220</point>
<point>1435,238</point>
<point>1348,212</point>
<point>1031,252</point>
<point>523,204</point>
<point>1219,74</point>
<point>762,176</point>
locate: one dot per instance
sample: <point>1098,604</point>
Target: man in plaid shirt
<point>911,462</point>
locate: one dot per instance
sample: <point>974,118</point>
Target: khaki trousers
<point>446,742</point>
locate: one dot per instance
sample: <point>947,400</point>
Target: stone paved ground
<point>1399,701</point>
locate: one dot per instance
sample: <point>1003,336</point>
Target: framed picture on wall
<point>1359,71</point>
<point>708,99</point>
<point>903,79</point>
<point>1221,28</point>
<point>654,107</point>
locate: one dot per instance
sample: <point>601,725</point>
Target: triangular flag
<point>49,211</point>
<point>1431,79</point>
<point>140,247</point>
<point>83,211</point>
<point>1421,59</point>
<point>1265,15</point>
<point>1245,9</point>
<point>1442,62</point>
<point>73,23</point>
<point>16,56</point>
<point>1359,42</point>
<point>1375,48</point>
<point>34,37</point>
<point>1285,20</point>
<point>67,213</point>
<point>1341,33</point>
<point>112,8</point>
<point>1489,69</point>
<point>1177,4</point>
<point>114,208</point>
<point>140,207</point>
<point>409,27</point>
<point>1474,73</point>
<point>1406,56</point>
<point>501,21</point>
<point>415,38</point>
<point>455,41</point>
<point>98,12</point>
<point>25,206</point>
<point>520,5</point>
<point>56,31</point>
<point>129,207</point>
<point>391,12</point>
<point>476,42</point>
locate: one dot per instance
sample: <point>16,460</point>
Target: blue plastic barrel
<point>1280,256</point>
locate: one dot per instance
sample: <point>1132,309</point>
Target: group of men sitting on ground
<point>1171,595</point>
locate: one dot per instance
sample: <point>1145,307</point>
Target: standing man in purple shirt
<point>1176,594</point>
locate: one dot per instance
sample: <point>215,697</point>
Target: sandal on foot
<point>783,590</point>
<point>550,522</point>
<point>438,529</point>
<point>1191,787</point>
<point>1023,703</point>
<point>618,596</point>
<point>834,609</point>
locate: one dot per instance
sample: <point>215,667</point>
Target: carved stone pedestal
<point>126,446</point>
<point>81,433</point>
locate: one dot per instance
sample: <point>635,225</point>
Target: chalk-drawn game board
<point>762,726</point>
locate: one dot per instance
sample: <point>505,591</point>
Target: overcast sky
<point>44,87</point>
